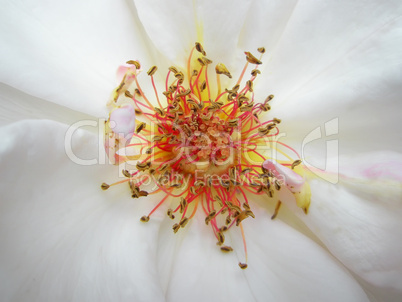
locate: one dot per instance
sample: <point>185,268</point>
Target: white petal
<point>359,220</point>
<point>175,26</point>
<point>348,67</point>
<point>62,237</point>
<point>16,105</point>
<point>265,23</point>
<point>283,265</point>
<point>68,52</point>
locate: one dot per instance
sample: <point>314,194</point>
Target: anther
<point>250,85</point>
<point>140,127</point>
<point>144,218</point>
<point>152,70</point>
<point>242,265</point>
<point>135,63</point>
<point>176,227</point>
<point>261,49</point>
<point>105,186</point>
<point>126,173</point>
<point>221,238</point>
<point>128,94</point>
<point>277,207</point>
<point>226,249</point>
<point>183,222</point>
<point>254,72</point>
<point>173,69</point>
<point>221,69</point>
<point>296,163</point>
<point>251,59</point>
<point>199,48</point>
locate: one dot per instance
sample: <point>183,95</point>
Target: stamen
<point>199,148</point>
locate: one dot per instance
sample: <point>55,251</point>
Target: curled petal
<point>122,121</point>
<point>292,180</point>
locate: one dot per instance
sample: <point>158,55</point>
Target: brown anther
<point>128,94</point>
<point>178,75</point>
<point>173,69</point>
<point>192,190</point>
<point>223,228</point>
<point>220,68</point>
<point>185,92</point>
<point>219,200</point>
<point>277,185</point>
<point>248,107</point>
<point>138,111</point>
<point>242,265</point>
<point>194,73</point>
<point>261,49</point>
<point>144,218</point>
<point>157,138</point>
<point>203,86</point>
<point>243,215</point>
<point>233,122</point>
<point>143,193</point>
<point>137,92</point>
<point>251,59</point>
<point>207,61</point>
<point>135,63</point>
<point>199,48</point>
<point>233,207</point>
<point>221,237</point>
<point>170,213</point>
<point>148,151</point>
<point>183,222</point>
<point>254,72</point>
<point>141,126</point>
<point>152,70</point>
<point>296,163</point>
<point>105,186</point>
<point>276,120</point>
<point>246,206</point>
<point>176,227</point>
<point>228,220</point>
<point>126,173</point>
<point>277,207</point>
<point>201,61</point>
<point>143,166</point>
<point>270,97</point>
<point>159,111</point>
<point>183,204</point>
<point>163,167</point>
<point>250,85</point>
<point>226,249</point>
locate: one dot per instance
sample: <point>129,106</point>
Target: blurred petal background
<point>63,239</point>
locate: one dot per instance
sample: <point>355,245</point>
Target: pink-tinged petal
<point>127,69</point>
<point>290,178</point>
<point>359,219</point>
<point>122,121</point>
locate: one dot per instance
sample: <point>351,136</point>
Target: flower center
<point>200,147</point>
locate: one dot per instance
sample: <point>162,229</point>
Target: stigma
<point>199,144</point>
